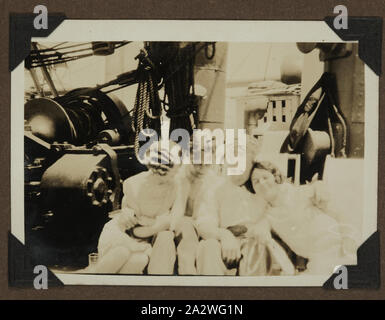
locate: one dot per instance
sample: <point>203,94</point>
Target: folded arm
<point>161,223</point>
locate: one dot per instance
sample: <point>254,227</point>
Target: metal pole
<point>211,74</point>
<point>46,75</point>
<point>36,82</point>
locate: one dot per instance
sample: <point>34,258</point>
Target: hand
<point>146,221</point>
<point>231,247</point>
<point>176,223</point>
<point>321,195</point>
<point>261,231</point>
<point>127,218</point>
<point>162,222</point>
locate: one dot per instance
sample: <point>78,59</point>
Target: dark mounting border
<point>366,274</point>
<point>21,31</point>
<point>21,266</point>
<point>368,32</point>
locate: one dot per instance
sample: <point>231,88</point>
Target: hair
<point>265,165</point>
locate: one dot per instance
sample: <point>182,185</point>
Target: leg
<point>112,260</point>
<point>163,255</point>
<point>187,248</point>
<point>209,258</point>
<point>135,263</point>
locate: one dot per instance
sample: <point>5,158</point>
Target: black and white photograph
<point>227,159</point>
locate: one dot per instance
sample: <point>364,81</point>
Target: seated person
<point>300,216</point>
<point>156,200</point>
<point>234,230</point>
<point>151,201</point>
<point>236,236</point>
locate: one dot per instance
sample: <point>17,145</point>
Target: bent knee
<point>119,251</point>
<point>135,264</point>
<point>185,225</point>
<point>163,255</point>
<point>209,258</point>
<point>164,237</point>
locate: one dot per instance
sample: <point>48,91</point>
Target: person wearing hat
<point>150,203</point>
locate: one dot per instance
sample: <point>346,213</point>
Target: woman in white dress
<point>302,218</point>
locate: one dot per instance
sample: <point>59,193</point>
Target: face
<point>162,163</point>
<point>197,170</point>
<point>165,171</point>
<point>264,184</point>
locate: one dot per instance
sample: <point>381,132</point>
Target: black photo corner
<point>368,32</point>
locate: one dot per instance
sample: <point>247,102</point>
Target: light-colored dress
<point>308,230</point>
<point>222,204</point>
